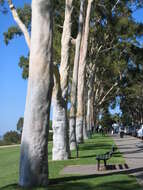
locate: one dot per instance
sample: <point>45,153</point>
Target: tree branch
<point>102,100</point>
<point>19,23</point>
<point>114,7</point>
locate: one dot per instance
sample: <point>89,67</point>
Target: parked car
<point>129,130</point>
<point>140,132</point>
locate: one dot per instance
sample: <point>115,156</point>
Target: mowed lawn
<point>9,166</point>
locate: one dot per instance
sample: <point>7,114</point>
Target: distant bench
<point>104,157</point>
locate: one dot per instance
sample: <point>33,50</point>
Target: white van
<point>140,132</point>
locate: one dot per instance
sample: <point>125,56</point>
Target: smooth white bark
<point>85,132</point>
<point>60,147</point>
<point>89,124</point>
<point>81,75</point>
<point>60,120</point>
<point>72,121</point>
<point>34,155</point>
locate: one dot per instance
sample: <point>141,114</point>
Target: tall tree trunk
<point>85,134</point>
<point>60,120</point>
<point>72,121</point>
<point>81,76</point>
<point>92,111</point>
<point>60,148</point>
<point>33,159</point>
<point>89,124</point>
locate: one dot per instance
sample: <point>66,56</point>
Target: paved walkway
<point>8,146</point>
<point>132,154</point>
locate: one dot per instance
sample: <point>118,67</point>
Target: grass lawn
<point>9,161</point>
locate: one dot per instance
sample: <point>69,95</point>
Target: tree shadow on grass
<point>93,185</point>
<point>95,147</point>
<point>75,183</point>
<point>81,177</point>
<point>79,185</point>
<point>61,186</point>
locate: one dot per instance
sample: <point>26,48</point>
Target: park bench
<point>104,157</point>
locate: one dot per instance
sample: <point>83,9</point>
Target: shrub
<point>11,137</point>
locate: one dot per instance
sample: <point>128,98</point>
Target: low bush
<point>11,137</point>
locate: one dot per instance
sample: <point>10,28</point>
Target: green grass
<point>9,161</point>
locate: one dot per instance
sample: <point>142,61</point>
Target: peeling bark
<point>72,121</point>
<point>33,158</point>
<point>81,76</point>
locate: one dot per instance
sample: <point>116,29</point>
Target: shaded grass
<point>9,161</point>
<point>116,182</point>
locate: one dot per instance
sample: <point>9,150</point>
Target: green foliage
<point>11,137</point>
<point>50,137</point>
<point>14,31</point>
<point>131,94</point>
<point>117,34</point>
<point>11,33</point>
<point>50,125</point>
<point>116,118</point>
<point>24,65</point>
<point>25,15</point>
<point>20,124</point>
<point>106,120</point>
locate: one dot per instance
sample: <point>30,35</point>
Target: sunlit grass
<point>9,166</point>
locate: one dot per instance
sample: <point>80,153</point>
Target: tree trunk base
<point>79,130</point>
<point>60,145</point>
<point>72,137</point>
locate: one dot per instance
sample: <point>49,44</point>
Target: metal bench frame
<point>104,157</point>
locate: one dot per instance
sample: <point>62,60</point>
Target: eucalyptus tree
<point>60,120</point>
<point>81,75</point>
<point>108,28</point>
<point>23,20</point>
<point>73,95</point>
<point>33,159</point>
<point>22,17</point>
<point>131,94</point>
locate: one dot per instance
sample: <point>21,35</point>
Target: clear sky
<point>12,86</point>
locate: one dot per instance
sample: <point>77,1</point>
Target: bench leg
<point>98,165</point>
<point>105,163</point>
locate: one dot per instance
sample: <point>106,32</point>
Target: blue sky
<point>12,86</point>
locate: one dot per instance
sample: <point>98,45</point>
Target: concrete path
<point>8,146</point>
<point>132,154</point>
